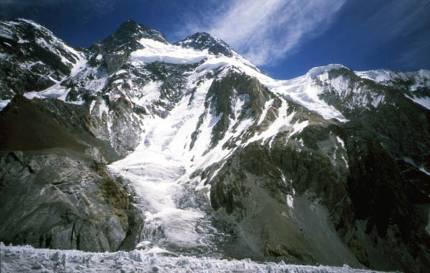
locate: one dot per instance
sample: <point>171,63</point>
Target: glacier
<point>20,259</point>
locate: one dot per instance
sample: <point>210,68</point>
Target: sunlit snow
<point>3,104</point>
<point>156,167</point>
<point>155,51</point>
<point>423,101</point>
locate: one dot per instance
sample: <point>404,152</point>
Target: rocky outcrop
<point>204,41</point>
<point>287,200</point>
<point>113,52</point>
<point>59,199</point>
<point>55,189</point>
<point>32,58</point>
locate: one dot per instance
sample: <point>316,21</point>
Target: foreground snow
<point>27,259</point>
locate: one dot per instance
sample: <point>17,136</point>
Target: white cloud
<point>267,30</point>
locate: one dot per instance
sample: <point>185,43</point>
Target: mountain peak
<point>37,51</point>
<point>116,48</point>
<point>203,40</point>
<point>130,29</point>
<point>22,27</point>
<point>130,23</point>
<point>27,22</point>
<point>319,70</point>
<point>127,36</point>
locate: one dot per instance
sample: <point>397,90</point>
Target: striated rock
<point>59,199</point>
<point>55,188</point>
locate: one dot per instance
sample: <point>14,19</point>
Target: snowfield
<point>155,51</point>
<point>423,101</point>
<point>27,259</point>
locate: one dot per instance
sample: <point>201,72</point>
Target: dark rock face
<point>223,94</point>
<point>32,58</point>
<point>369,208</point>
<point>390,214</point>
<point>254,188</point>
<point>365,187</point>
<point>58,199</point>
<point>129,31</point>
<point>37,124</point>
<point>203,40</point>
<point>55,189</point>
<point>116,48</point>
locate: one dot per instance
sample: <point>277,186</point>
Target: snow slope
<point>155,51</point>
<point>302,89</point>
<point>28,259</point>
<point>155,168</point>
<point>421,78</point>
<point>423,101</point>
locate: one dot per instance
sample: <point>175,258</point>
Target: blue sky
<point>284,37</point>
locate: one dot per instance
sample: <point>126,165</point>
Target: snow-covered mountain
<point>187,148</point>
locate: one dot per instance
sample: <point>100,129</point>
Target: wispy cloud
<point>267,31</point>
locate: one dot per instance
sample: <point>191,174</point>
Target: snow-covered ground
<point>155,51</point>
<point>27,259</point>
<point>304,91</point>
<point>3,104</point>
<point>423,101</point>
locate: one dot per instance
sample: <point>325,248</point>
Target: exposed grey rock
<point>59,199</point>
